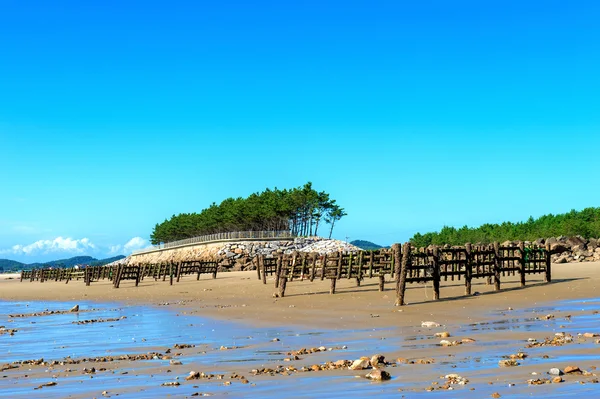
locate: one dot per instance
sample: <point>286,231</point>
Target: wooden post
<point>548,275</point>
<point>87,276</point>
<point>323,266</point>
<point>522,263</point>
<point>256,259</point>
<point>339,268</point>
<point>468,269</point>
<point>497,266</point>
<point>401,262</point>
<point>282,285</point>
<point>278,271</point>
<point>171,273</point>
<point>118,276</point>
<point>313,268</point>
<point>178,271</point>
<point>293,265</point>
<point>349,270</point>
<point>332,286</point>
<point>137,275</point>
<point>262,265</point>
<point>360,266</point>
<point>436,274</point>
<point>214,274</point>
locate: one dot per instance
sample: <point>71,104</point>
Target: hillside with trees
<point>366,245</point>
<point>302,211</point>
<point>585,223</point>
<point>12,265</point>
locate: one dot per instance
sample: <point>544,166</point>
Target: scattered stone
<point>429,324</point>
<point>377,361</point>
<point>496,395</point>
<point>508,363</point>
<point>538,381</point>
<point>170,384</point>
<point>361,364</point>
<point>378,375</point>
<point>444,334</point>
<point>572,370</point>
<point>555,371</point>
<point>455,379</point>
<point>557,380</point>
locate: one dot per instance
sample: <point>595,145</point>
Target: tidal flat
<point>143,342</point>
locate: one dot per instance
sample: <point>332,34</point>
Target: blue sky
<point>412,115</point>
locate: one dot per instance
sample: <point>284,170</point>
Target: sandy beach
<point>355,322</point>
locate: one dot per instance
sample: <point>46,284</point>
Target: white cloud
<point>135,243</point>
<point>115,249</point>
<point>59,244</point>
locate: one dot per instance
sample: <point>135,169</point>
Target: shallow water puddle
<point>222,347</point>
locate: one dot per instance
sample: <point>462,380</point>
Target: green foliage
<point>366,245</point>
<point>9,265</point>
<point>300,210</point>
<point>585,223</point>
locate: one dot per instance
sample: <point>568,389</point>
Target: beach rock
<point>444,334</point>
<point>429,324</point>
<point>74,309</point>
<point>508,363</point>
<point>496,395</point>
<point>194,375</point>
<point>175,363</point>
<point>555,371</point>
<point>361,364</point>
<point>572,369</point>
<point>557,380</point>
<point>590,335</point>
<point>378,375</point>
<point>455,379</point>
<point>377,361</point>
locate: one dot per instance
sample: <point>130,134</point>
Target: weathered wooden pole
<point>332,286</point>
<point>436,273</point>
<point>522,262</point>
<point>179,266</point>
<point>468,268</point>
<point>313,266</point>
<point>359,264</point>
<point>548,274</point>
<point>278,271</point>
<point>401,258</point>
<point>497,266</point>
<point>282,285</point>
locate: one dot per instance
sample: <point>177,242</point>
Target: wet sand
<point>240,296</point>
<point>259,331</point>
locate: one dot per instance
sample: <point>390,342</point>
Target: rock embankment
<point>239,255</point>
<point>573,249</point>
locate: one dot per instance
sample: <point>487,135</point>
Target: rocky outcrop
<point>571,249</point>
